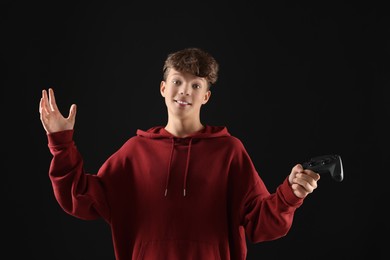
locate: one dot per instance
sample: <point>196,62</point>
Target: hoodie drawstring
<point>186,170</point>
<point>169,166</point>
<point>187,164</point>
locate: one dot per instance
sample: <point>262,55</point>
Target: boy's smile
<point>182,102</point>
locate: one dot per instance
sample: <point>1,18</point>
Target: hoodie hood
<point>159,132</point>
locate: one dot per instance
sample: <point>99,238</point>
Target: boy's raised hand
<point>51,118</point>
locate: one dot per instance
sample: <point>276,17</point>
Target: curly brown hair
<point>194,61</point>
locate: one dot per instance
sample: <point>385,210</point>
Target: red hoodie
<point>173,198</point>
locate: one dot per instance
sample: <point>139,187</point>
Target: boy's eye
<point>176,82</point>
<point>196,86</point>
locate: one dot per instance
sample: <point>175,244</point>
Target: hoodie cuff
<point>290,198</point>
<point>59,138</point>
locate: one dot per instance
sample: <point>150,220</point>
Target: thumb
<point>299,167</point>
<point>72,112</point>
<point>296,169</point>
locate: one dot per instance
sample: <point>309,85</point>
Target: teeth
<point>182,102</point>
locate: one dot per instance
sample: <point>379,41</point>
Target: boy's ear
<point>206,97</point>
<point>162,88</point>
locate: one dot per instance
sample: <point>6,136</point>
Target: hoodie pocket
<point>178,250</point>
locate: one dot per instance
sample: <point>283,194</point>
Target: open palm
<point>51,118</point>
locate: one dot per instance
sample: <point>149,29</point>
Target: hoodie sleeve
<point>264,215</point>
<point>78,193</point>
<point>269,217</point>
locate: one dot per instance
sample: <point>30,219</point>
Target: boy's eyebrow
<point>179,74</point>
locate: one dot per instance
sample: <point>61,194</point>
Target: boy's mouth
<point>181,102</point>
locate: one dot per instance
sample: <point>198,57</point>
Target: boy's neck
<point>182,129</point>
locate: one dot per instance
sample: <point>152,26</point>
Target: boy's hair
<point>194,61</point>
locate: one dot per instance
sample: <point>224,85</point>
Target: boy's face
<point>184,94</point>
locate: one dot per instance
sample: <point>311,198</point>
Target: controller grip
<point>329,164</point>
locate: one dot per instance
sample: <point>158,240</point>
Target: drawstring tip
<point>184,192</point>
<point>166,191</point>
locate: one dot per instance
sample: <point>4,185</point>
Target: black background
<point>296,81</point>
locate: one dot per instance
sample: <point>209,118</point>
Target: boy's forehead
<point>172,72</point>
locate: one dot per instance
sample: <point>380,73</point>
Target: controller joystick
<point>327,164</point>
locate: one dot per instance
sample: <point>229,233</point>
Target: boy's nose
<point>185,91</point>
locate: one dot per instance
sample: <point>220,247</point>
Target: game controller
<point>331,164</point>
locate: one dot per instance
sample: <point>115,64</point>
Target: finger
<point>298,168</point>
<point>52,100</point>
<point>311,178</point>
<point>40,106</point>
<point>72,112</point>
<point>299,191</point>
<point>44,106</point>
<point>306,182</point>
<point>316,176</point>
<point>312,174</point>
